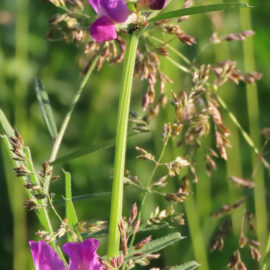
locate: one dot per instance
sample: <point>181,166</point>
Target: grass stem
<point>120,146</point>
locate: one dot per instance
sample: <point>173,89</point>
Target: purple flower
<point>157,4</point>
<point>153,4</point>
<point>82,255</point>
<point>109,12</point>
<point>44,257</point>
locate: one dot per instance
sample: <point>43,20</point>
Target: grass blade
<point>6,125</point>
<point>88,149</point>
<point>46,109</point>
<point>186,266</point>
<point>156,245</point>
<point>71,216</point>
<point>197,10</point>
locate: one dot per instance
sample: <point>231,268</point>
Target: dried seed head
<point>21,171</point>
<point>242,182</point>
<point>239,37</point>
<point>255,253</point>
<point>144,154</point>
<point>252,77</point>
<point>64,228</point>
<point>133,214</point>
<point>136,226</point>
<point>250,221</point>
<point>116,262</point>
<point>177,165</point>
<point>176,197</point>
<point>85,226</point>
<point>46,169</point>
<point>143,242</point>
<point>104,264</point>
<point>45,236</point>
<point>227,208</point>
<point>217,243</point>
<point>123,234</point>
<point>234,260</point>
<point>179,219</point>
<point>161,182</point>
<point>243,240</point>
<point>254,243</point>
<point>266,133</point>
<point>91,47</point>
<point>31,186</point>
<point>186,39</point>
<point>40,196</point>
<point>57,18</point>
<point>31,204</point>
<point>163,51</point>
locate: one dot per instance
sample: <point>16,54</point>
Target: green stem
<point>120,145</point>
<point>66,120</point>
<point>254,128</point>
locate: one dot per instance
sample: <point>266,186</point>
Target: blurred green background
<point>25,53</point>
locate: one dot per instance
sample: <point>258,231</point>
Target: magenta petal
<point>158,4</point>
<point>44,256</point>
<point>115,9</point>
<point>83,255</point>
<point>103,29</point>
<point>95,5</point>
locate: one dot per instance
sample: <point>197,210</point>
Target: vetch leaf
<point>45,107</point>
<point>186,266</point>
<point>156,245</point>
<point>198,10</point>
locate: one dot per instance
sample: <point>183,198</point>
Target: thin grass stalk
<point>254,128</point>
<point>233,163</point>
<point>73,104</point>
<point>120,146</point>
<point>198,243</point>
<point>19,213</point>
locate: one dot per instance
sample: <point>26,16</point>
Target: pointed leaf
<point>156,245</point>
<point>198,10</point>
<point>70,210</point>
<point>45,107</point>
<point>186,266</point>
<point>6,125</point>
<point>71,216</point>
<point>89,149</point>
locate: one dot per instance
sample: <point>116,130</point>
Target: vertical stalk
<point>120,146</point>
<point>233,163</point>
<point>197,238</point>
<point>253,116</point>
<point>19,213</point>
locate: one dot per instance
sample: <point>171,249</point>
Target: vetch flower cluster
<point>111,12</point>
<point>82,255</point>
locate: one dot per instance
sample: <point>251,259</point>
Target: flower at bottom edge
<point>83,255</point>
<point>44,256</point>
